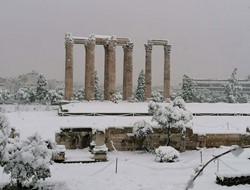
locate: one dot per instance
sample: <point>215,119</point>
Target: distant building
<point>54,84</point>
<point>216,86</point>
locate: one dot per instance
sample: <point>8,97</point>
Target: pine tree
<point>140,90</point>
<point>79,94</point>
<point>54,96</point>
<point>188,91</point>
<point>41,91</point>
<point>232,88</point>
<point>97,94</point>
<point>4,95</point>
<point>25,95</point>
<point>156,96</point>
<point>141,130</point>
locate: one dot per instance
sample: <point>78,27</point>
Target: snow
<point>142,107</point>
<point>103,36</point>
<point>106,107</point>
<point>167,154</point>
<point>80,38</point>
<point>46,123</point>
<point>136,170</point>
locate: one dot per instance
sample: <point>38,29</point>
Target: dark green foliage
<point>232,89</point>
<point>140,90</point>
<point>188,90</point>
<point>41,90</point>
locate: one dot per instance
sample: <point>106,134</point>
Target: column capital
<point>68,39</point>
<point>111,44</point>
<point>128,47</point>
<point>90,45</point>
<point>167,48</point>
<point>148,47</point>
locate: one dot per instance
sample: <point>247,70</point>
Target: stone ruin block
<point>74,138</point>
<point>100,150</point>
<point>14,133</point>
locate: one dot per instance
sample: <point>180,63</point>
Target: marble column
<point>166,92</point>
<point>69,43</point>
<point>148,70</point>
<point>106,73</point>
<point>111,66</point>
<point>89,68</point>
<point>127,71</point>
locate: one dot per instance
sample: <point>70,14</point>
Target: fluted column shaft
<point>166,92</point>
<point>89,69</point>
<point>69,43</point>
<point>106,73</point>
<point>148,70</point>
<point>111,68</point>
<point>127,71</point>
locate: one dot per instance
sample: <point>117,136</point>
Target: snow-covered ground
<point>142,107</point>
<point>136,170</point>
<point>29,119</point>
<point>139,171</point>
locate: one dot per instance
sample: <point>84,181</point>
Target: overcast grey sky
<point>209,37</point>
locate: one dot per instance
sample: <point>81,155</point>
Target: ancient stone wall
<point>122,139</point>
<point>77,138</point>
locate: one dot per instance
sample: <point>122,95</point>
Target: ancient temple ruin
<point>110,43</point>
<point>148,67</point>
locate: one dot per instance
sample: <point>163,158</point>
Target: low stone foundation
<point>122,139</point>
<point>74,138</point>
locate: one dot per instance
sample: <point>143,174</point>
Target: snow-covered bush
<point>140,130</point>
<point>79,94</point>
<point>5,131</point>
<point>25,95</point>
<point>166,154</point>
<point>27,160</point>
<point>4,95</point>
<point>156,96</point>
<point>172,115</point>
<point>54,96</point>
<point>116,97</point>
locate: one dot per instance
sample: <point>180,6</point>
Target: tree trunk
<point>169,136</point>
<point>19,184</point>
<point>183,141</point>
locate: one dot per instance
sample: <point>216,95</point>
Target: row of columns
<point>148,70</point>
<point>109,68</point>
